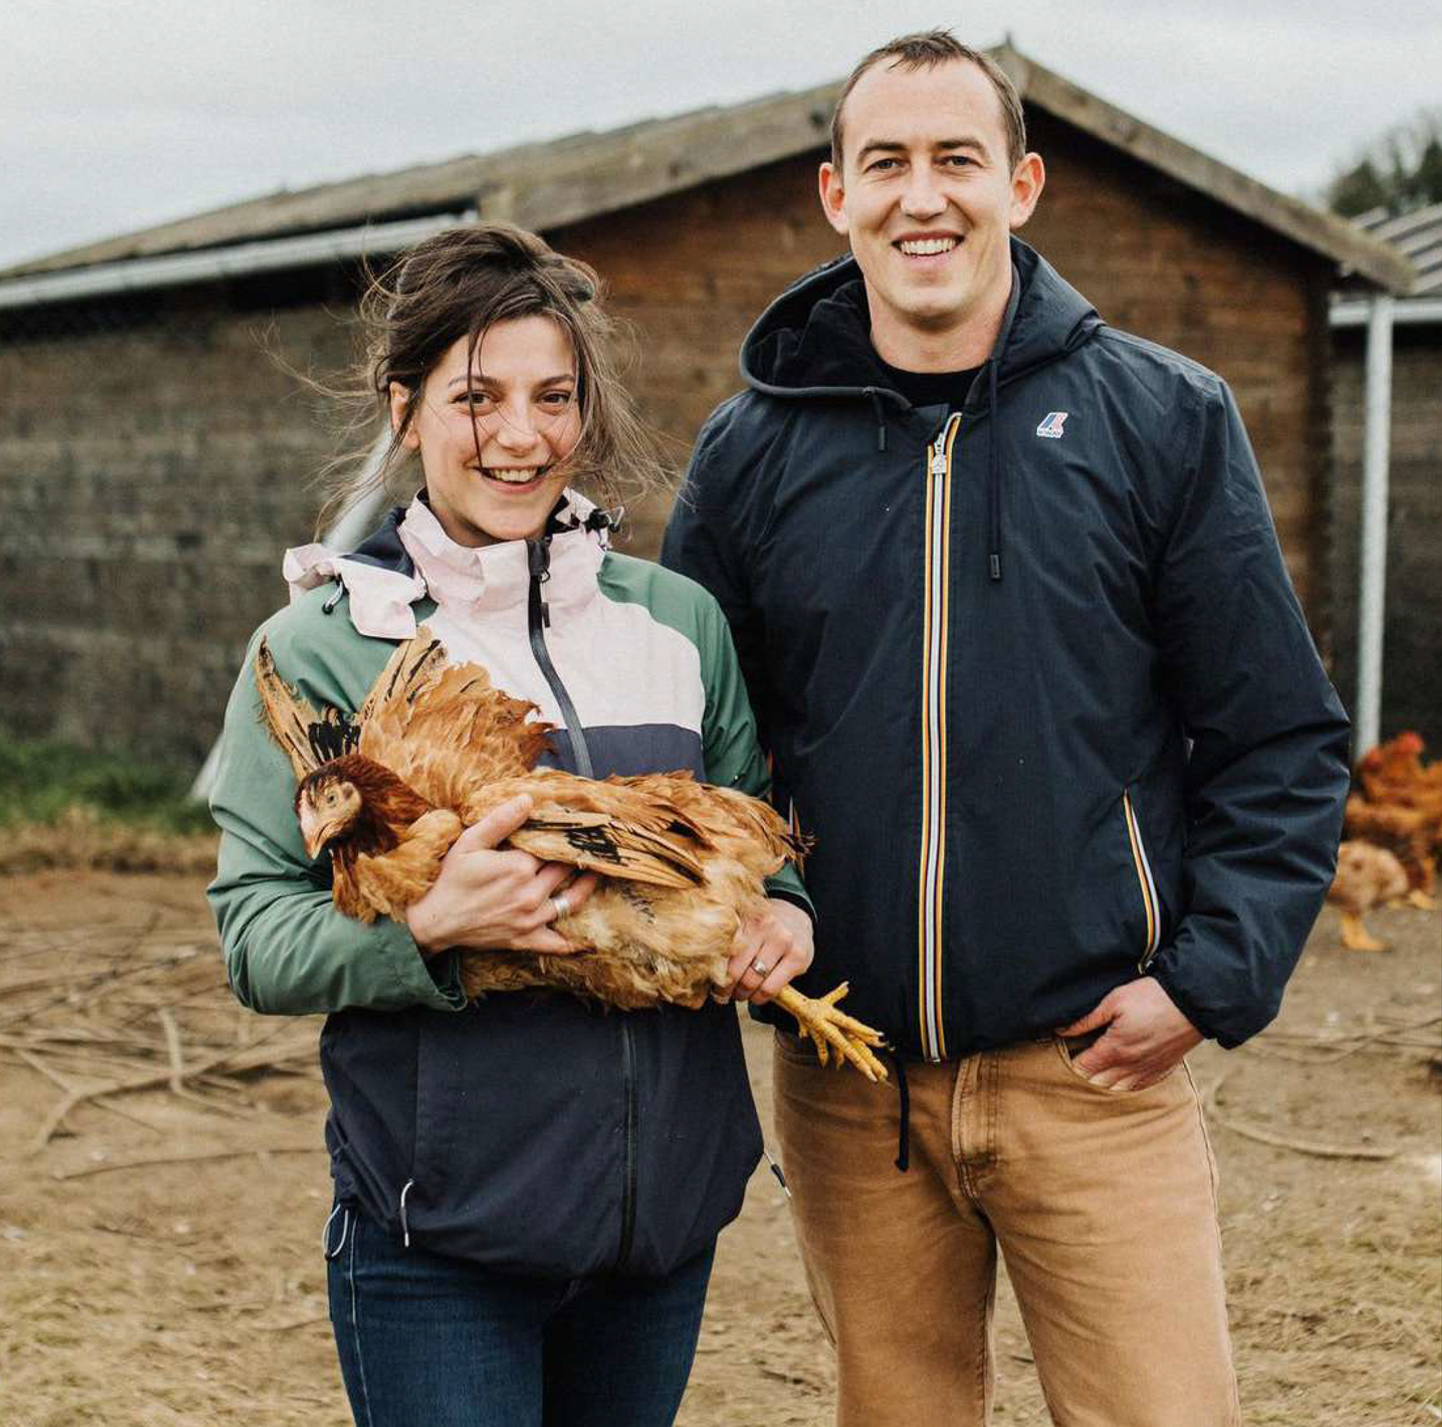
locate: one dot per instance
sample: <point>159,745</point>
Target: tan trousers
<point>1103,1203</point>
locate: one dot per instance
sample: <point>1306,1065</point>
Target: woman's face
<point>527,420</point>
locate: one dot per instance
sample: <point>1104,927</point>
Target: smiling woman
<point>527,1193</point>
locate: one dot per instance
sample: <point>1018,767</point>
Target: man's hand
<point>777,939</point>
<point>1145,1037</point>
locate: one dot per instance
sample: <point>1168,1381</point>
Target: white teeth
<point>925,247</point>
<point>514,475</point>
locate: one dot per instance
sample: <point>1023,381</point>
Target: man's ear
<point>833,197</point>
<point>1026,186</point>
<point>400,397</point>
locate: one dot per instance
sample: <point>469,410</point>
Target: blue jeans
<point>431,1341</point>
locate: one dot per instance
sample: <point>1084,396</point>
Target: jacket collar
<point>410,557</point>
<point>815,339</point>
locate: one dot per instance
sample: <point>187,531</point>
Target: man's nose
<point>922,197</point>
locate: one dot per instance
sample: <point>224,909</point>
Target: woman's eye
<point>557,399</point>
<point>473,398</point>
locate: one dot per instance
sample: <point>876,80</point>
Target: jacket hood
<point>815,339</point>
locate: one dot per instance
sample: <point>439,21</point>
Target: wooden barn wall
<point>153,465</point>
<point>1412,640</point>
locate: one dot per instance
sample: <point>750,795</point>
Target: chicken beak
<point>315,831</point>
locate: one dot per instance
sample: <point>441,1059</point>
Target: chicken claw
<point>831,1029</point>
<point>1356,937</point>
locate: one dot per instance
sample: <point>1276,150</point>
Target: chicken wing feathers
<point>307,739</point>
<point>445,729</point>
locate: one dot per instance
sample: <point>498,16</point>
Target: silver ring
<point>559,906</point>
<point>760,967</point>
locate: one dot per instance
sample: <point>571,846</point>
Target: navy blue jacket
<point>1031,671</point>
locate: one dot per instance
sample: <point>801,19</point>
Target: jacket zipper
<point>936,577</point>
<point>1144,879</point>
<point>628,1189</point>
<point>538,620</point>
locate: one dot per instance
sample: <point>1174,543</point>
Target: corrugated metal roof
<point>1418,236</point>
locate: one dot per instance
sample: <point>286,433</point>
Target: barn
<point>1407,615</point>
<point>155,457</point>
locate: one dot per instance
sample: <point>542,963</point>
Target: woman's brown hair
<point>455,284</point>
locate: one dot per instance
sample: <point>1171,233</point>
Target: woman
<point>528,1189</point>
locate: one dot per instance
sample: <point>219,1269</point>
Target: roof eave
<point>548,185</point>
<point>1354,253</point>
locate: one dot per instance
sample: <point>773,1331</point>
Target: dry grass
<point>80,838</point>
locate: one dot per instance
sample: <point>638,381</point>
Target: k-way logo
<point>1052,425</point>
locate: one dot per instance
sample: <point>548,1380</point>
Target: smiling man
<point>1010,604</point>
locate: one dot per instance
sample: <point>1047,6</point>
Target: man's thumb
<point>497,825</point>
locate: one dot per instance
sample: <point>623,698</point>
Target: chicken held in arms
<point>435,747</point>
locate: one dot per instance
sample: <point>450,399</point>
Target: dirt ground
<point>159,1241</point>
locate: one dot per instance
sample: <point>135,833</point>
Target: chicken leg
<point>1356,937</point>
<point>831,1029</point>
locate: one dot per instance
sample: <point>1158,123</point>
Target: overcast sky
<point>117,114</point>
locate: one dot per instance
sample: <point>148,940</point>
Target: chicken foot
<point>1356,937</point>
<point>831,1029</point>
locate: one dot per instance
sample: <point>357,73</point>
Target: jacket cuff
<point>1160,972</point>
<point>434,981</point>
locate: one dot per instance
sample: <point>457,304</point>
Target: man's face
<point>927,196</point>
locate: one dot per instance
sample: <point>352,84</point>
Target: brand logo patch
<point>1052,425</point>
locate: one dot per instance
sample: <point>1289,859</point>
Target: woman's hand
<point>495,901</point>
<point>771,949</point>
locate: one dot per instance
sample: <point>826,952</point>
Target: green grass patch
<point>41,780</point>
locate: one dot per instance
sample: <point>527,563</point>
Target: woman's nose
<point>516,430</point>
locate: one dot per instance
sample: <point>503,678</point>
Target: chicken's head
<point>327,804</point>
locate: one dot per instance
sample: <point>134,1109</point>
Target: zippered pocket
<point>1145,883</point>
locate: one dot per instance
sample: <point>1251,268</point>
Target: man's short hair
<point>924,50</point>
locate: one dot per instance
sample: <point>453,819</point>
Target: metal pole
<point>1372,603</point>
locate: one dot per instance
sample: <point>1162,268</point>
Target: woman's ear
<point>400,399</point>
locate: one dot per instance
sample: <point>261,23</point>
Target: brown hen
<point>1366,875</point>
<point>1399,807</point>
<point>436,747</point>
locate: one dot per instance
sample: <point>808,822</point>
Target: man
<point>1020,640</point>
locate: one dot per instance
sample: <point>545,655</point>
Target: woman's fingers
<point>497,825</point>
<point>771,949</point>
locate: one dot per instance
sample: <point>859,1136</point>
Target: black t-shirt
<point>947,389</point>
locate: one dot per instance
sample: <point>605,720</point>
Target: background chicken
<point>1366,875</point>
<point>1397,805</point>
<point>435,747</point>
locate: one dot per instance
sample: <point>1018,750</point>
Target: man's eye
<point>880,164</point>
<point>959,160</point>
